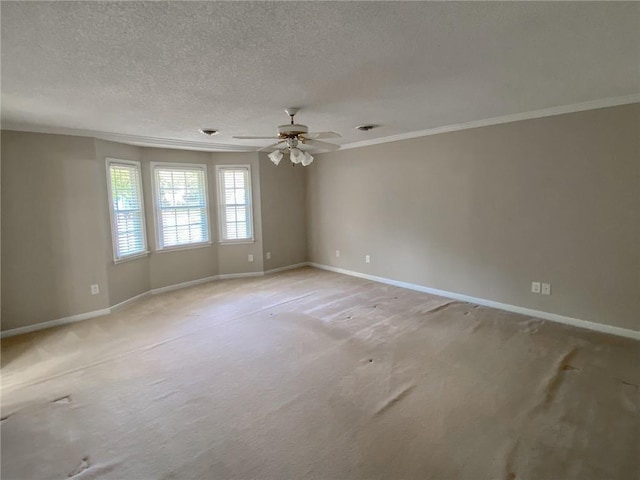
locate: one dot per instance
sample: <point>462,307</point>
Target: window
<point>181,206</point>
<point>234,206</point>
<point>126,207</point>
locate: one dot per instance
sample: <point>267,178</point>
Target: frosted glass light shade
<point>276,156</point>
<point>296,155</point>
<point>306,159</point>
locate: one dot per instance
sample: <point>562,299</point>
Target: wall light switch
<point>367,259</point>
<point>250,257</point>
<point>535,287</point>
<point>546,289</point>
<point>337,253</point>
<point>268,256</point>
<point>95,289</point>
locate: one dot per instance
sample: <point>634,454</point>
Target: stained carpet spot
<point>510,459</point>
<point>84,464</point>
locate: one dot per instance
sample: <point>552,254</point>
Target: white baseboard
<point>288,267</point>
<point>128,301</point>
<point>155,291</point>
<point>178,286</point>
<point>230,276</point>
<point>598,327</point>
<point>54,323</point>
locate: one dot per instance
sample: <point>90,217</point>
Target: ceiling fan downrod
<point>291,111</point>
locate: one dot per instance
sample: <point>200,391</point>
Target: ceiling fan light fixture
<point>292,136</point>
<point>296,155</point>
<point>276,156</point>
<point>306,159</point>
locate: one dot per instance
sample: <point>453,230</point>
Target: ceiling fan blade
<point>319,144</point>
<point>245,137</point>
<point>273,146</point>
<point>315,135</point>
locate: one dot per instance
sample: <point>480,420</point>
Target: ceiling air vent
<point>209,132</point>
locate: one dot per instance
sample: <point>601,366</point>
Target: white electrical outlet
<point>95,289</point>
<point>535,287</point>
<point>250,257</point>
<point>337,253</point>
<point>367,259</point>
<point>546,289</point>
<point>268,255</point>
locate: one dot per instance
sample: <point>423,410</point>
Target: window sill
<point>129,258</point>
<point>184,247</point>
<point>238,242</point>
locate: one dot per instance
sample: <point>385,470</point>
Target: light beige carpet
<point>314,375</point>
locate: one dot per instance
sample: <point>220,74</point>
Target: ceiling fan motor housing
<point>285,131</point>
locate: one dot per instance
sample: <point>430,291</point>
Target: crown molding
<point>137,140</point>
<point>545,112</point>
<point>144,141</point>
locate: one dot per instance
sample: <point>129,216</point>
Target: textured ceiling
<point>165,69</point>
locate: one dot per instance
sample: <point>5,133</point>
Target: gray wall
<point>54,237</point>
<point>481,212</point>
<point>484,212</point>
<point>284,213</point>
<point>56,233</point>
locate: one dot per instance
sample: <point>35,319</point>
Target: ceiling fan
<point>293,136</point>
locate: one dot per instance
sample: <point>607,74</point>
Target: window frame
<point>114,240</point>
<point>222,204</point>
<point>157,210</point>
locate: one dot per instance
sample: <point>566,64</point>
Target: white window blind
<point>126,206</point>
<point>181,205</point>
<point>234,189</point>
